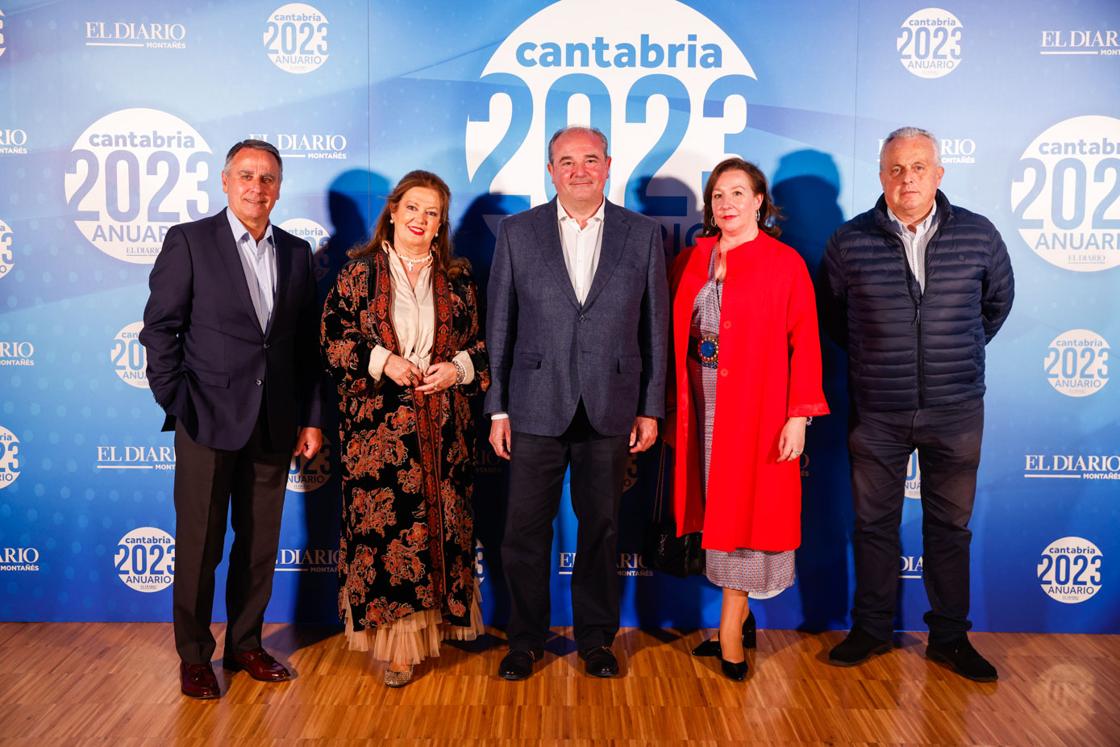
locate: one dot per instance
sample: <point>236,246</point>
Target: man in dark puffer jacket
<point>913,289</point>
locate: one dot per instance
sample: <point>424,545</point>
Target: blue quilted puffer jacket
<point>908,349</point>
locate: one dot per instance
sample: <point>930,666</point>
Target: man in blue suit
<point>231,332</point>
<point>577,333</point>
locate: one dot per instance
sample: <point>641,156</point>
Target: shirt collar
<point>598,216</point>
<point>240,231</point>
<point>921,227</point>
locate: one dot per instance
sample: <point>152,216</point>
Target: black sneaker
<point>962,658</point>
<point>858,647</point>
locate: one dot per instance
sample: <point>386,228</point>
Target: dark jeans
<point>208,483</point>
<point>537,468</point>
<point>948,443</point>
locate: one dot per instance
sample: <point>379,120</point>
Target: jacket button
<point>727,325</point>
<point>259,382</point>
<point>723,372</point>
<point>266,346</point>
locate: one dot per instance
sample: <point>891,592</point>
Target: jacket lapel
<point>380,300</point>
<point>615,230</point>
<point>441,298</point>
<point>547,228</point>
<point>235,271</point>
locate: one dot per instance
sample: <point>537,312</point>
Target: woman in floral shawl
<point>400,335</point>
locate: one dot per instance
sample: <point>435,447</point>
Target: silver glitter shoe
<point>398,679</point>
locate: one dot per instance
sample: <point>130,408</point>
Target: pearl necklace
<point>412,263</point>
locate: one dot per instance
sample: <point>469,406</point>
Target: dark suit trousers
<point>537,469</point>
<point>948,442</point>
<point>208,483</point>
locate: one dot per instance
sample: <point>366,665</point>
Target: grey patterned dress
<point>744,569</point>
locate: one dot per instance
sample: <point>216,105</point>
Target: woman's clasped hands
<point>404,372</point>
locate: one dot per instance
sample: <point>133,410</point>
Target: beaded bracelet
<point>460,372</point>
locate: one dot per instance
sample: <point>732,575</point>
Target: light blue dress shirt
<point>915,243</point>
<point>258,259</point>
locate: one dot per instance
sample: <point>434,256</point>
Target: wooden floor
<point>118,684</point>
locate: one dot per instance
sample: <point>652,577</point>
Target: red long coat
<point>769,371</point>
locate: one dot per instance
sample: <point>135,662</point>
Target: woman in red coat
<point>745,336</point>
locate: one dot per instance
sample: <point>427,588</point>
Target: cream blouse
<point>413,314</point>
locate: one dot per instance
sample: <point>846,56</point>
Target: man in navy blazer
<point>231,332</point>
<point>577,333</point>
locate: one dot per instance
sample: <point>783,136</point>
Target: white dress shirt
<point>582,247</point>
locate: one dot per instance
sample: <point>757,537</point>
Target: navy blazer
<point>547,351</point>
<point>209,364</point>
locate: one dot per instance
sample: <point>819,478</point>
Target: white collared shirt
<point>258,260</point>
<point>914,243</point>
<point>581,247</point>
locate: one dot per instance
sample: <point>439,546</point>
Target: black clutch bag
<point>662,549</point>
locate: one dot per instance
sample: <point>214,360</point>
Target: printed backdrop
<point>115,117</point>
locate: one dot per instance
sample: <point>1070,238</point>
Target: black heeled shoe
<point>736,671</point>
<point>711,646</point>
<point>750,632</point>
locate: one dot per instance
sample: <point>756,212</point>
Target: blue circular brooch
<point>707,350</point>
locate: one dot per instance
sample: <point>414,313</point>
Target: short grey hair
<point>577,128</point>
<point>905,132</point>
<point>264,145</point>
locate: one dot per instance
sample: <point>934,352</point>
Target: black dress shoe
<point>858,647</point>
<point>198,681</point>
<point>962,658</point>
<point>600,662</point>
<point>259,664</point>
<point>517,665</point>
<point>733,670</point>
<point>711,647</point>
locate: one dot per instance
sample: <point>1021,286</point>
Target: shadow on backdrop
<point>478,232</point>
<point>661,600</point>
<point>678,209</point>
<point>474,239</point>
<point>354,199</point>
<point>806,186</point>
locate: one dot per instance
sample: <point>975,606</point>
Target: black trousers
<point>208,483</point>
<point>537,469</point>
<point>948,442</point>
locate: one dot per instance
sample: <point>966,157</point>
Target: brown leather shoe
<point>259,664</point>
<point>198,681</point>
